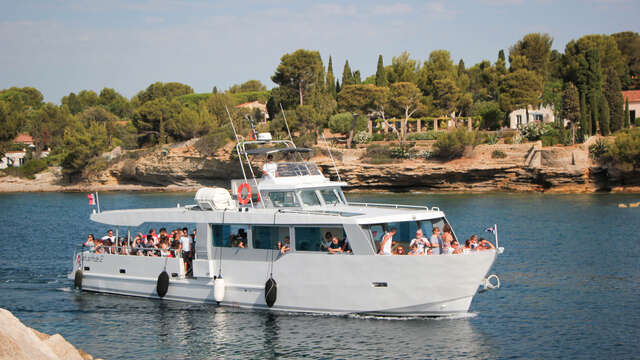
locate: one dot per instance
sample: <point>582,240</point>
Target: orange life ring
<point>244,200</point>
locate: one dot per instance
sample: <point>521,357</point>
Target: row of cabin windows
<point>307,238</point>
<point>308,198</point>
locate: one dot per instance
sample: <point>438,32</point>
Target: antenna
<point>244,174</point>
<point>331,156</point>
<point>287,124</point>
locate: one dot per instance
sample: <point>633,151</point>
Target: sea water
<point>570,287</point>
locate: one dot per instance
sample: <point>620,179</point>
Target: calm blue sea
<point>570,288</point>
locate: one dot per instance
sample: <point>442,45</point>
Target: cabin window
<point>406,231</point>
<point>230,236</point>
<point>330,197</point>
<point>268,237</point>
<point>283,199</point>
<point>309,198</point>
<point>316,238</point>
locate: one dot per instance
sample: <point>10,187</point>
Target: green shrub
<point>403,151</point>
<point>490,139</point>
<point>362,137</point>
<point>498,154</point>
<point>423,135</point>
<point>451,144</point>
<point>378,154</point>
<point>377,137</point>
<point>598,148</point>
<point>625,150</point>
<point>28,170</point>
<point>95,166</point>
<point>208,144</point>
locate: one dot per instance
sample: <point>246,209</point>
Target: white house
<point>633,97</point>
<point>13,159</point>
<point>518,118</point>
<point>256,105</point>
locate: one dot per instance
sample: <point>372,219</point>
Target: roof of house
<point>23,138</point>
<point>632,95</point>
<point>252,104</point>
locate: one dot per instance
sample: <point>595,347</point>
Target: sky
<point>60,46</point>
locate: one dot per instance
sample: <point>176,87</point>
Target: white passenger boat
<point>302,204</point>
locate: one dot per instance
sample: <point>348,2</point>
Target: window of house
<point>230,235</point>
<point>538,117</point>
<point>268,237</point>
<point>312,238</point>
<point>518,119</point>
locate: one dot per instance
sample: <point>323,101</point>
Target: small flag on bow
<point>491,230</point>
<point>91,199</point>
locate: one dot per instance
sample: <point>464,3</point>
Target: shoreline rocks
<point>18,341</point>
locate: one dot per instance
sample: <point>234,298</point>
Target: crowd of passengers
<point>438,244</point>
<point>177,243</point>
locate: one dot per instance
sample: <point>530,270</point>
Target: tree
<point>403,69</point>
<point>519,89</point>
<point>405,100</point>
<point>595,113</point>
<point>159,90</point>
<point>331,80</point>
<point>629,45</point>
<point>347,75</point>
<point>152,118</point>
<point>552,95</point>
<point>576,54</point>
<point>585,117</point>
<point>627,114</point>
<point>47,125</point>
<point>381,74</point>
<point>603,106</point>
<point>501,63</point>
<point>438,79</point>
<point>615,100</point>
<point>8,125</point>
<point>356,77</point>
<point>115,103</point>
<point>101,116</point>
<point>536,47</point>
<point>571,107</point>
<point>490,113</point>
<point>483,81</point>
<point>362,99</point>
<point>346,123</point>
<point>299,71</point>
<point>247,86</point>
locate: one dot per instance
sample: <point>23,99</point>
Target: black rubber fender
<point>77,281</point>
<point>163,284</point>
<point>270,292</point>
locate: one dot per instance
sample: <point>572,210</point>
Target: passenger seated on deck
<point>335,247</point>
<point>270,169</point>
<point>420,241</point>
<point>474,242</point>
<point>484,244</point>
<point>90,243</point>
<point>414,251</point>
<point>346,247</point>
<point>285,245</point>
<point>399,250</point>
<point>436,241</point>
<point>327,240</point>
<point>99,247</point>
<point>455,247</point>
<point>124,247</point>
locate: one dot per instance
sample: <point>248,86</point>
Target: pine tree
<point>461,69</point>
<point>381,74</point>
<point>604,116</point>
<point>627,114</point>
<point>347,76</point>
<point>571,107</point>
<point>331,80</point>
<point>615,101</point>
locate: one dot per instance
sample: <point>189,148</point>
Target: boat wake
<point>404,318</point>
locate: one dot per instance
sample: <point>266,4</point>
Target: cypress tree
<point>585,120</point>
<point>604,116</point>
<point>381,74</point>
<point>593,100</point>
<point>615,101</point>
<point>338,87</point>
<point>501,64</point>
<point>461,69</point>
<point>331,80</point>
<point>347,76</point>
<point>356,77</point>
<point>627,114</point>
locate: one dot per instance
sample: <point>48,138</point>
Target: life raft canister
<point>241,199</point>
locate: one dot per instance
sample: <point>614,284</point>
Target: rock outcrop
<point>18,342</point>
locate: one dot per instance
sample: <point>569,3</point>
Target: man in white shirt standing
<point>185,243</point>
<point>109,236</point>
<point>270,169</point>
<point>421,242</point>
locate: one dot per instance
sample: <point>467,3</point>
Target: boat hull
<point>306,282</point>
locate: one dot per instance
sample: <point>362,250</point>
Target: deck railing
<point>394,206</point>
